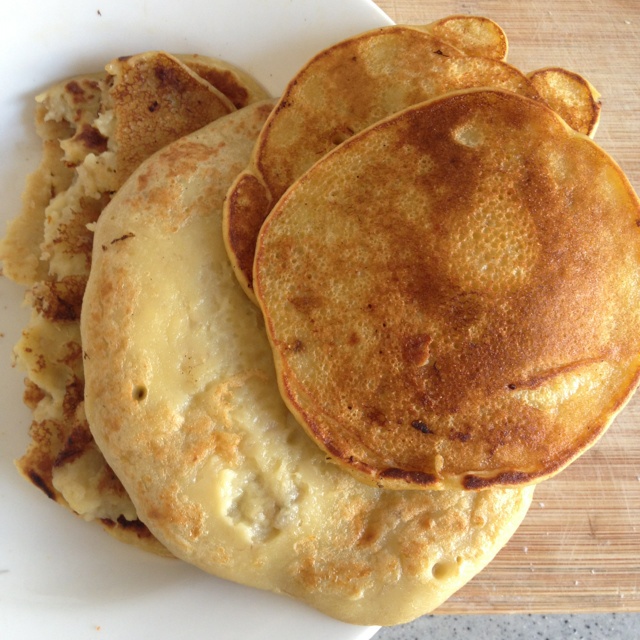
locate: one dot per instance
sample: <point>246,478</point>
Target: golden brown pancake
<point>453,297</point>
<point>48,248</point>
<point>570,95</point>
<point>182,398</point>
<point>339,92</point>
<point>473,35</point>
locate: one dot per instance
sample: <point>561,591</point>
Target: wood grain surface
<point>578,549</point>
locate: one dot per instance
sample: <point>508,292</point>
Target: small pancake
<point>182,398</point>
<point>339,92</point>
<point>453,296</point>
<point>571,96</point>
<point>473,35</point>
<point>48,248</point>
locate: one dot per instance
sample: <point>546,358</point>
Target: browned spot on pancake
<point>72,355</point>
<point>135,526</point>
<point>416,349</point>
<point>75,446</point>
<point>411,477</point>
<point>125,236</point>
<point>505,479</point>
<point>375,415</point>
<point>79,90</point>
<point>75,88</point>
<point>92,139</point>
<point>421,426</point>
<point>306,303</point>
<point>33,394</point>
<point>74,395</point>
<point>59,300</point>
<point>226,82</point>
<point>41,484</point>
<point>296,346</point>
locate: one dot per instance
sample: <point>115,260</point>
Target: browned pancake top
<point>339,92</point>
<point>452,296</point>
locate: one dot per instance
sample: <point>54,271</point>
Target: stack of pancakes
<point>445,270</point>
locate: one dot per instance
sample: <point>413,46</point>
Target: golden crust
<point>452,295</point>
<point>182,398</point>
<point>339,92</point>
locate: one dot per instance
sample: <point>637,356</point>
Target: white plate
<point>61,578</point>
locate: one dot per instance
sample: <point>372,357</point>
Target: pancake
<point>182,398</point>
<point>48,249</point>
<point>339,92</point>
<point>570,95</point>
<point>452,296</point>
<point>473,35</point>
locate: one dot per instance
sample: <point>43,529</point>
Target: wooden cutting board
<point>578,549</point>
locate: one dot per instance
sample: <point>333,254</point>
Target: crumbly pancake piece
<point>182,398</point>
<point>48,247</point>
<point>64,112</point>
<point>570,95</point>
<point>339,92</point>
<point>452,296</point>
<point>473,35</point>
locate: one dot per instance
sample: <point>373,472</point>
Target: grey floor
<point>521,627</point>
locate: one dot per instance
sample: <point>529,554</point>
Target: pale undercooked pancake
<point>339,92</point>
<point>182,398</point>
<point>453,296</point>
<point>92,127</point>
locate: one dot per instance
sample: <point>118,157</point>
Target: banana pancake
<point>182,398</point>
<point>339,92</point>
<point>48,248</point>
<point>452,296</point>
